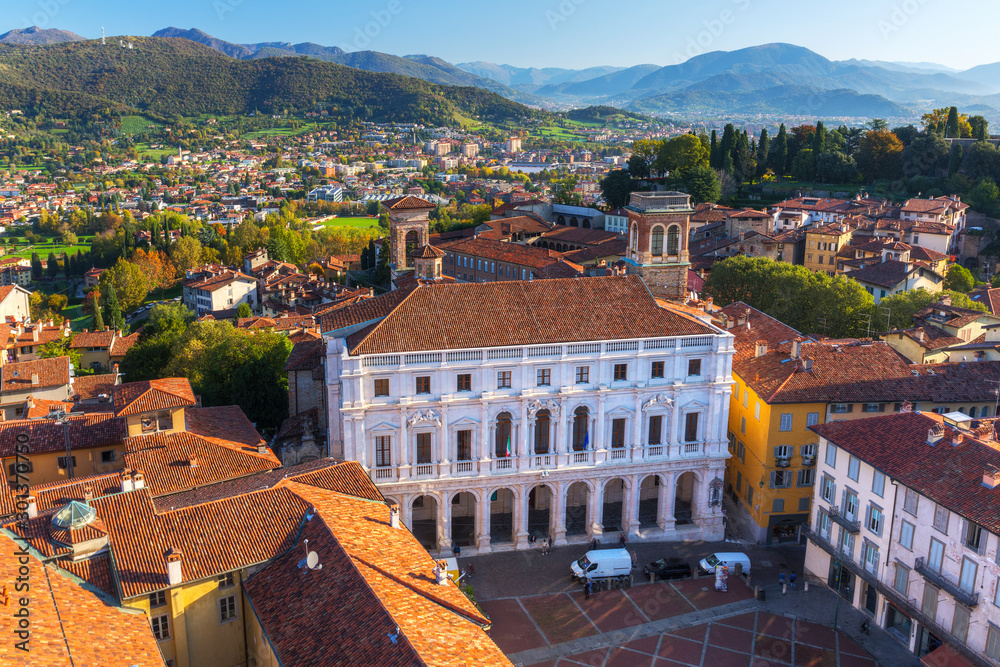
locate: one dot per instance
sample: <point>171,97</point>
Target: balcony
<point>941,581</point>
<point>809,460</point>
<point>845,559</point>
<point>653,451</point>
<point>425,470</point>
<point>465,468</point>
<point>782,461</point>
<point>544,461</point>
<point>384,474</point>
<point>502,465</point>
<point>618,454</point>
<point>849,524</point>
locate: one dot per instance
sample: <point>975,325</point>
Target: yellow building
<point>822,245</point>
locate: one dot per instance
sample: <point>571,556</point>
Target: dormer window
<point>162,421</point>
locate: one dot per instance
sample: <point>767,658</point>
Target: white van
<point>602,563</point>
<point>708,564</point>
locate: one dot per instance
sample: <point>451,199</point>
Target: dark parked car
<point>668,568</point>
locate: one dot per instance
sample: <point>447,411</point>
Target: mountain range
<point>769,79</point>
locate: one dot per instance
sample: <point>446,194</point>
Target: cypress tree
<point>780,151</point>
<point>36,266</point>
<point>98,318</point>
<point>53,265</point>
<point>115,319</point>
<point>713,153</point>
<point>955,160</point>
<point>763,147</point>
<point>819,139</point>
<point>951,128</point>
<point>728,142</point>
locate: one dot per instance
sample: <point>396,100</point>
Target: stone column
<point>598,426</point>
<point>444,523</point>
<point>637,422</point>
<point>443,444</point>
<point>665,502</point>
<point>483,524</point>
<point>484,451</point>
<point>595,511</point>
<point>561,441</point>
<point>404,446</point>
<point>361,446</point>
<point>558,523</point>
<point>630,509</point>
<point>520,516</point>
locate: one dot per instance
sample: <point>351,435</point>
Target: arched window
<point>673,240</point>
<point>581,437</point>
<point>633,243</point>
<point>543,422</point>
<point>504,429</point>
<point>656,241</point>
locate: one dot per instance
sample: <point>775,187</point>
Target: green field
<point>138,125</point>
<point>44,250</point>
<point>359,223</point>
<point>78,320</point>
<point>155,153</point>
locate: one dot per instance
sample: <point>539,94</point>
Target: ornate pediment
<point>659,399</point>
<point>428,415</point>
<point>548,404</point>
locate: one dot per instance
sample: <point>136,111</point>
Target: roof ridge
<point>392,310</point>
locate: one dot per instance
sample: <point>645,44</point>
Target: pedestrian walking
<point>623,539</point>
<point>531,539</point>
<point>593,544</point>
<point>456,550</point>
<point>550,542</point>
<point>791,579</point>
<point>784,585</point>
<point>588,588</point>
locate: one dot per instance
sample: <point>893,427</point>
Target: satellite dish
<point>312,560</point>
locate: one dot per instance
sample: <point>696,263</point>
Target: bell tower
<point>427,261</point>
<point>658,241</point>
<point>409,230</point>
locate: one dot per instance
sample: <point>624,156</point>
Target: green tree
<point>185,253</point>
<point>52,266</point>
<point>804,166</point>
<point>131,285</point>
<point>114,310</point>
<point>927,155</point>
<point>680,154</point>
<point>703,184</point>
<point>880,154</point>
<point>98,324</point>
<point>951,128</point>
<point>616,187</point>
<point>955,159</point>
<point>61,348</point>
<point>243,310</point>
<point>763,153</point>
<point>780,160</point>
<point>959,279</point>
<point>168,319</point>
<point>819,139</point>
<point>713,151</point>
<point>726,149</point>
<point>980,128</point>
<point>897,310</point>
<point>37,268</point>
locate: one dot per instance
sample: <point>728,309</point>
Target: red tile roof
<point>407,203</point>
<point>16,377</point>
<point>514,312</point>
<point>133,398</point>
<point>92,430</point>
<point>951,476</point>
<point>502,251</point>
<point>87,387</point>
<point>86,339</point>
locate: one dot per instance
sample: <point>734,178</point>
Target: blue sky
<point>557,33</point>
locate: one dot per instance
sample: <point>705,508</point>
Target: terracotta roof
<point>501,251</point>
<point>930,337</point>
<point>560,269</point>
<point>926,254</point>
<point>87,387</point>
<point>54,495</point>
<point>952,316</point>
<point>514,312</point>
<point>306,355</point>
<point>408,202</point>
<point>883,274</point>
<point>132,398</point>
<point>428,252</point>
<point>41,408</point>
<point>70,625</point>
<point>989,297</point>
<point>580,235</point>
<point>367,310</point>
<point>93,339</point>
<point>16,377</point>
<point>949,475</point>
<point>92,430</point>
<point>375,580</point>
<point>611,249</point>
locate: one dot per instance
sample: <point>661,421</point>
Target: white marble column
<point>558,525</point>
<point>595,511</point>
<point>444,522</point>
<point>520,517</point>
<point>665,502</point>
<point>630,509</point>
<point>483,523</point>
<point>444,444</point>
<point>403,446</point>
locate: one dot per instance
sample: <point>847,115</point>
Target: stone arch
<point>633,241</point>
<point>674,240</point>
<point>685,493</point>
<point>561,220</point>
<point>656,241</point>
<point>586,223</point>
<point>613,494</point>
<point>463,506</point>
<point>650,489</point>
<point>578,496</point>
<point>542,432</point>
<point>540,501</point>
<point>573,222</point>
<point>503,436</point>
<point>580,428</point>
<point>502,501</point>
<point>423,519</point>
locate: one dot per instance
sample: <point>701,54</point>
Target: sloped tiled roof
<point>306,355</point>
<point>365,310</point>
<point>514,312</point>
<point>124,343</point>
<point>16,377</point>
<point>91,430</point>
<point>133,398</point>
<point>989,297</point>
<point>87,387</point>
<point>408,202</point>
<point>86,339</point>
<point>951,476</point>
<point>70,625</point>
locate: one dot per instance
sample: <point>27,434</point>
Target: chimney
<point>709,305</point>
<point>741,319</point>
<point>29,403</point>
<point>920,335</point>
<point>193,460</point>
<point>441,573</point>
<point>262,448</point>
<point>138,480</point>
<point>991,480</point>
<point>127,483</point>
<point>31,508</point>
<point>957,440</point>
<point>807,364</point>
<point>394,516</point>
<point>761,349</point>
<point>935,434</point>
<point>946,300</point>
<point>34,378</point>
<point>88,493</point>
<point>174,573</point>
<point>796,349</point>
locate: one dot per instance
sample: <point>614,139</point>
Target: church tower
<point>658,241</point>
<point>427,261</point>
<point>409,230</point>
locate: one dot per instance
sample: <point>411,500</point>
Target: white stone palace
<point>493,412</point>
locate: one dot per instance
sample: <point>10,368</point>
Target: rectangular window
<point>423,448</point>
<point>655,429</point>
<point>503,379</point>
<point>831,455</point>
<point>691,427</point>
<point>694,367</point>
<point>781,479</point>
<point>582,374</point>
<point>21,468</point>
<point>657,369</point>
<point>161,627</point>
<point>825,524</point>
<point>463,382</point>
<point>786,422</point>
<point>878,483</point>
<point>804,504</point>
<point>621,371</point>
<point>902,578</point>
<point>743,425</point>
<point>778,505</point>
<point>739,487</point>
<point>875,519</point>
<point>783,452</point>
<point>808,451</point>
<point>741,451</point>
<point>910,502</point>
<point>872,407</point>
<point>930,601</point>
<point>424,385</point>
<point>960,623</point>
<point>828,489</point>
<point>227,608</point>
<point>993,642</point>
<point>812,419</point>
<point>158,599</point>
<point>975,537</point>
<point>61,462</point>
<point>463,446</point>
<point>941,514</point>
<point>869,557</point>
<point>746,398</point>
<point>806,477</point>
<point>853,468</point>
<point>839,408</point>
<point>850,508</point>
<point>543,377</point>
<point>967,578</point>
<point>618,433</point>
<point>935,555</point>
<point>108,456</point>
<point>382,387</point>
<point>225,580</point>
<point>906,535</point>
<point>383,450</point>
<point>756,410</point>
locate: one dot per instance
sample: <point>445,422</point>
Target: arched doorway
<point>412,241</point>
<point>684,499</point>
<point>613,508</point>
<point>423,521</point>
<point>539,511</point>
<point>586,223</point>
<point>577,497</point>
<point>543,426</point>
<point>560,220</point>
<point>463,519</point>
<point>581,433</point>
<point>573,222</point>
<point>502,516</point>
<point>649,501</point>
<point>504,431</point>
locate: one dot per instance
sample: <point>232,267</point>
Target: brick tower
<point>658,241</point>
<point>409,230</point>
